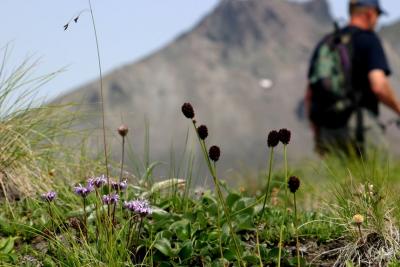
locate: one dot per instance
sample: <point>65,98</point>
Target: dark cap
<point>369,3</point>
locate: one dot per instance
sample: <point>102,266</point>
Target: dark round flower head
<point>214,153</point>
<point>123,130</point>
<point>293,184</point>
<point>188,111</point>
<point>202,131</point>
<point>273,138</point>
<point>284,136</point>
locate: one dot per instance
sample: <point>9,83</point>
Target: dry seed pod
<point>123,130</point>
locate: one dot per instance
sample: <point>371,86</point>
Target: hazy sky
<point>128,30</point>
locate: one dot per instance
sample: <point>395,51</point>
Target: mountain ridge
<point>218,66</point>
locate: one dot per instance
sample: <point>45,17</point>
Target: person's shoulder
<point>364,39</point>
<point>365,35</point>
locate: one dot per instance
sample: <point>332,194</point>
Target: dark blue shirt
<point>368,55</point>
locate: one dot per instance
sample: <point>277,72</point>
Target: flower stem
<point>219,230</point>
<point>271,158</point>
<point>359,231</point>
<point>98,216</point>
<point>297,233</point>
<point>286,172</point>
<point>51,216</point>
<point>85,219</point>
<point>101,94</point>
<point>285,206</point>
<point>120,180</point>
<point>258,249</point>
<point>130,232</point>
<point>139,230</point>
<point>122,159</point>
<point>220,195</point>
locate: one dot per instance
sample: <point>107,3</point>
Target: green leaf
<point>164,246</point>
<point>232,198</point>
<point>293,262</point>
<point>220,263</point>
<point>229,254</point>
<point>181,229</point>
<point>245,223</point>
<point>160,214</point>
<point>167,185</point>
<point>186,251</point>
<point>244,206</point>
<point>7,245</point>
<point>166,234</point>
<point>208,199</point>
<point>213,236</point>
<point>251,260</point>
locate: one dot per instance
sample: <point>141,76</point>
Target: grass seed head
<point>284,136</point>
<point>123,130</point>
<point>293,184</point>
<point>202,131</point>
<point>214,153</point>
<point>187,110</point>
<point>273,138</point>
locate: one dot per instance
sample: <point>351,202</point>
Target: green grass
<point>189,228</point>
<point>192,229</point>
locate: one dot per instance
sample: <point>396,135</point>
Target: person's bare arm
<point>381,87</point>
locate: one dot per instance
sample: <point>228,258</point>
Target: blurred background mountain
<point>243,67</point>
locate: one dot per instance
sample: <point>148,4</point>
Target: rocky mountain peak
<point>319,9</point>
<point>240,22</point>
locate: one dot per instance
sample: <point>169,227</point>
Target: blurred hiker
<point>348,76</point>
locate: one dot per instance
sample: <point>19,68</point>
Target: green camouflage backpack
<point>332,98</point>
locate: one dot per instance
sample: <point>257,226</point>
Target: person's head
<point>365,13</point>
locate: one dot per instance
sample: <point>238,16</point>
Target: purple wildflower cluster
<point>119,185</point>
<point>49,196</point>
<point>110,199</point>
<point>141,207</point>
<point>98,181</point>
<point>83,191</point>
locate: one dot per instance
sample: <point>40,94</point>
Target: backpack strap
<point>347,59</point>
<point>357,94</point>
